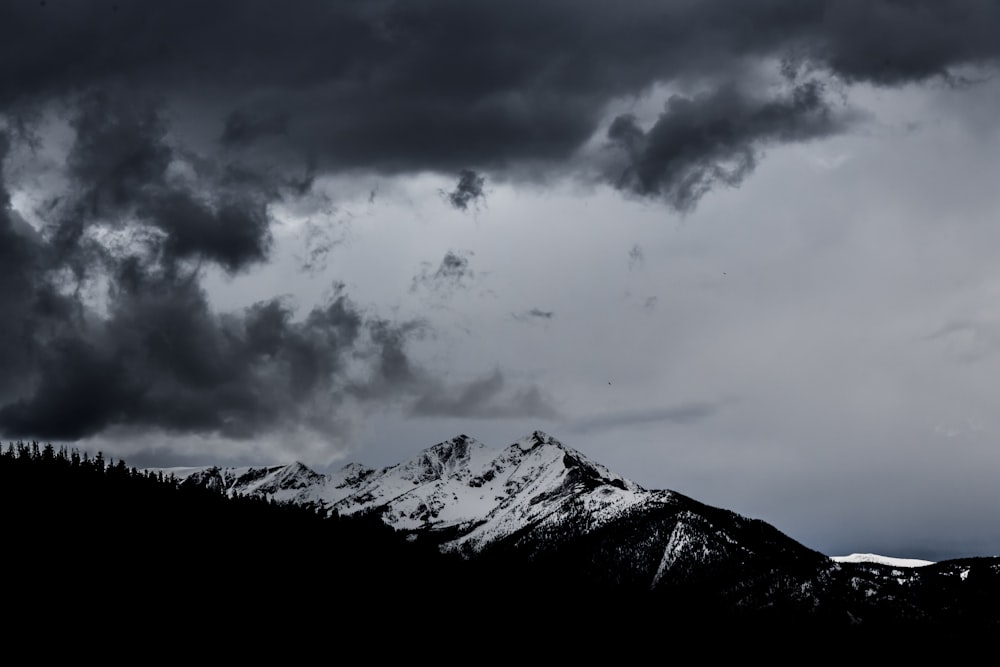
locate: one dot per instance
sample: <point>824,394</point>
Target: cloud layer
<point>460,88</point>
<point>178,127</point>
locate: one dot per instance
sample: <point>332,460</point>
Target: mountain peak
<point>453,448</point>
<point>297,475</point>
<point>475,494</point>
<point>445,458</point>
<point>536,439</point>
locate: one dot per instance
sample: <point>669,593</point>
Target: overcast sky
<point>745,250</point>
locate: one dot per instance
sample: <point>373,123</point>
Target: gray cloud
<point>715,138</point>
<point>489,397</point>
<point>534,314</point>
<point>636,257</point>
<point>319,242</point>
<point>163,360</point>
<point>189,121</point>
<point>119,167</point>
<point>452,273</point>
<point>468,190</point>
<point>151,353</point>
<point>687,413</point>
<point>967,340</point>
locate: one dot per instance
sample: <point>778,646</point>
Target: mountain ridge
<point>414,504</point>
<point>540,502</point>
<point>458,484</point>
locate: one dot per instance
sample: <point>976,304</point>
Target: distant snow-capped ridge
<point>882,560</point>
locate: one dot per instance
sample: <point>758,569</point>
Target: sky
<point>743,251</point>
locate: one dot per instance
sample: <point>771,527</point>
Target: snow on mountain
<point>474,493</point>
<point>537,497</point>
<point>538,500</point>
<point>542,503</point>
<point>882,560</point>
<point>289,483</point>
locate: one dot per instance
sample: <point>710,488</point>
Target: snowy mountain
<point>540,507</point>
<point>535,532</point>
<point>538,500</point>
<point>459,488</point>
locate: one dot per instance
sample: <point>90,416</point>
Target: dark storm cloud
<point>24,305</point>
<point>489,397</point>
<point>452,273</point>
<point>687,413</point>
<point>164,360</point>
<point>119,167</point>
<point>711,139</point>
<point>150,353</point>
<point>468,190</point>
<point>890,42</point>
<point>242,128</point>
<point>440,85</point>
